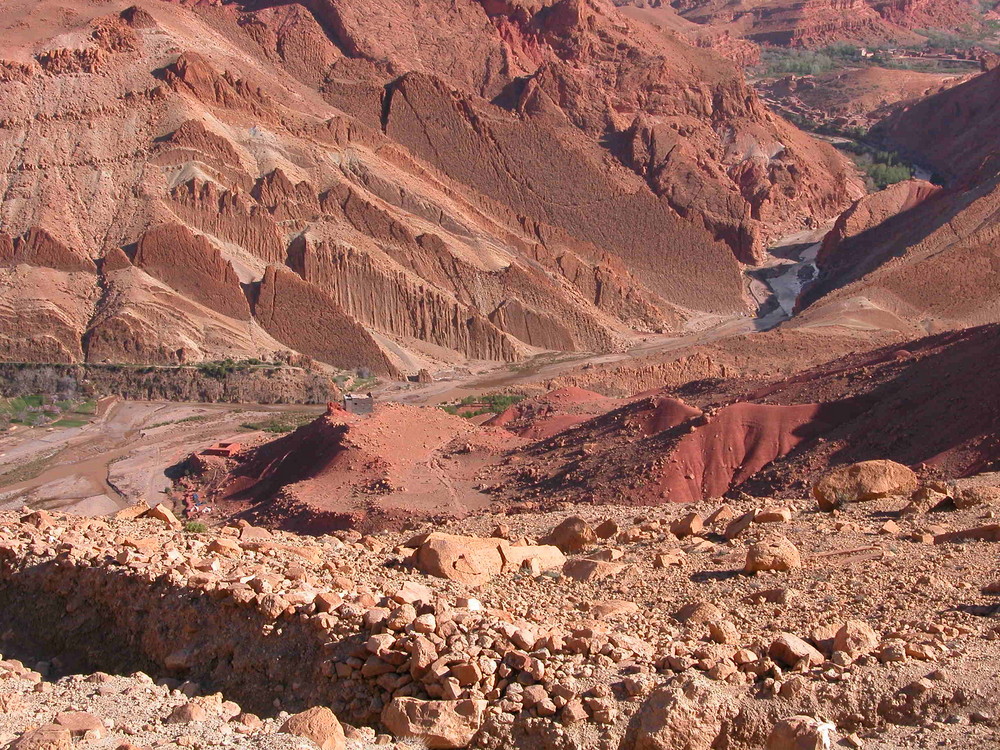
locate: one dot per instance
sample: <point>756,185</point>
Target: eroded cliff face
<point>817,23</point>
<point>485,179</point>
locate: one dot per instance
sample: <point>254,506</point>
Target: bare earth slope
<point>929,403</point>
<point>952,132</point>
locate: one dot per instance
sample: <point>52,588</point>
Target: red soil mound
<point>381,470</point>
<point>546,415</point>
<point>932,402</point>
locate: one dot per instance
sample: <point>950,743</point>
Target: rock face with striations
<point>450,187</point>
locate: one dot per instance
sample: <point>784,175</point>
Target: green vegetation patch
<point>41,411</point>
<point>493,403</point>
<point>282,423</point>
<point>881,168</point>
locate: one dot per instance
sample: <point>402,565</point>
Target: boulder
<point>855,638</point>
<point>547,555</point>
<point>319,725</point>
<point>225,547</point>
<point>800,733</point>
<point>592,570</point>
<point>606,529</point>
<point>867,480</point>
<point>739,524</point>
<point>698,613</point>
<point>971,497</point>
<point>772,553</point>
<point>988,533</point>
<point>162,513</point>
<point>187,713</point>
<point>438,724</point>
<point>923,500</point>
<point>47,737</point>
<point>613,608</point>
<point>572,535</point>
<point>82,724</point>
<point>773,515</point>
<point>689,525</point>
<point>790,650</point>
<point>679,718</point>
<point>465,559</point>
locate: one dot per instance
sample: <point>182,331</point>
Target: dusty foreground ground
<point>874,623</point>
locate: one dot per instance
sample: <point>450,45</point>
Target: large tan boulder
<point>800,733</point>
<point>855,637</point>
<point>773,552</point>
<point>47,737</point>
<point>438,724</point>
<point>572,535</point>
<point>587,569</point>
<point>82,724</point>
<point>971,497</point>
<point>162,513</point>
<point>680,718</point>
<point>790,651</point>
<point>547,555</point>
<point>319,725</point>
<point>473,561</point>
<point>863,481</point>
<point>465,559</point>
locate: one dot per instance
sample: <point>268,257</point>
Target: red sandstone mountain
<point>817,23</point>
<point>915,258</point>
<point>189,181</point>
<point>953,132</point>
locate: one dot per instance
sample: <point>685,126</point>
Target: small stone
<point>772,553</point>
<point>889,528</point>
<point>690,525</point>
<point>318,724</point>
<point>800,733</point>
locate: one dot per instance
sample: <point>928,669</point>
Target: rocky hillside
<point>866,622</point>
<point>184,182</point>
<point>950,132</point>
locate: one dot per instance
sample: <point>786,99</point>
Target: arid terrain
<point>571,375</point>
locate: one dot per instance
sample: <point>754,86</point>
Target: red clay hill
<point>931,404</point>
